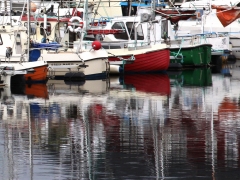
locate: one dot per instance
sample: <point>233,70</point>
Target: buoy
<point>96,45</point>
<point>77,22</point>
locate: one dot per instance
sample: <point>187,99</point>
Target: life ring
<point>72,23</point>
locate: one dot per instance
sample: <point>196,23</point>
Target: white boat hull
<point>93,64</point>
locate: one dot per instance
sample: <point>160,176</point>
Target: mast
<point>129,7</point>
<point>153,7</point>
<point>85,15</point>
<point>10,4</point>
<point>28,27</point>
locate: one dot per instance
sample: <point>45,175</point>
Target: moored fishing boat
<point>21,68</point>
<point>139,39</point>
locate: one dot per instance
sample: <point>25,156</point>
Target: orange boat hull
<point>39,74</point>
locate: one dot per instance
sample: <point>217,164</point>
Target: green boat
<point>190,56</point>
<point>192,77</point>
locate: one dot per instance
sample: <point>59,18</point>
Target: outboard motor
<point>8,52</point>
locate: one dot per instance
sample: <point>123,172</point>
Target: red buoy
<point>96,45</point>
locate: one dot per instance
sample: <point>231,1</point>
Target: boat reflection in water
<point>15,98</point>
<point>148,83</point>
<point>158,84</point>
<point>144,96</point>
<point>191,77</point>
<point>206,116</point>
<point>129,127</point>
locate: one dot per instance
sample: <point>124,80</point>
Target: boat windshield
<point>131,30</point>
<point>128,31</point>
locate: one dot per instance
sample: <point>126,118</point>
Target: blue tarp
<point>52,45</point>
<point>34,55</point>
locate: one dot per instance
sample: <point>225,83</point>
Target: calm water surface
<point>183,125</point>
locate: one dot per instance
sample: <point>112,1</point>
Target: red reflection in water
<point>227,110</point>
<point>111,123</point>
<point>150,83</point>
<point>227,107</point>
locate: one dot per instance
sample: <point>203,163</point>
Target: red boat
<point>145,60</point>
<point>138,48</point>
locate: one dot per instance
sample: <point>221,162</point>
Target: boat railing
<point>114,44</point>
<point>202,37</point>
<point>100,21</point>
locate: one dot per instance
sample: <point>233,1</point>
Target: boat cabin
<point>47,27</point>
<point>142,28</point>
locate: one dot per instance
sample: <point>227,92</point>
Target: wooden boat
<point>137,49</point>
<point>190,55</point>
<point>152,59</point>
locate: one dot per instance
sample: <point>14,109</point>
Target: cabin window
<point>47,31</point>
<point>18,39</point>
<point>164,27</point>
<point>120,25</point>
<point>1,42</point>
<point>32,27</point>
<point>131,30</point>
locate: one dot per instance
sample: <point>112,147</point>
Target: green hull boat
<point>195,55</point>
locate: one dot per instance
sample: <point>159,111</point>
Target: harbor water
<point>176,125</point>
